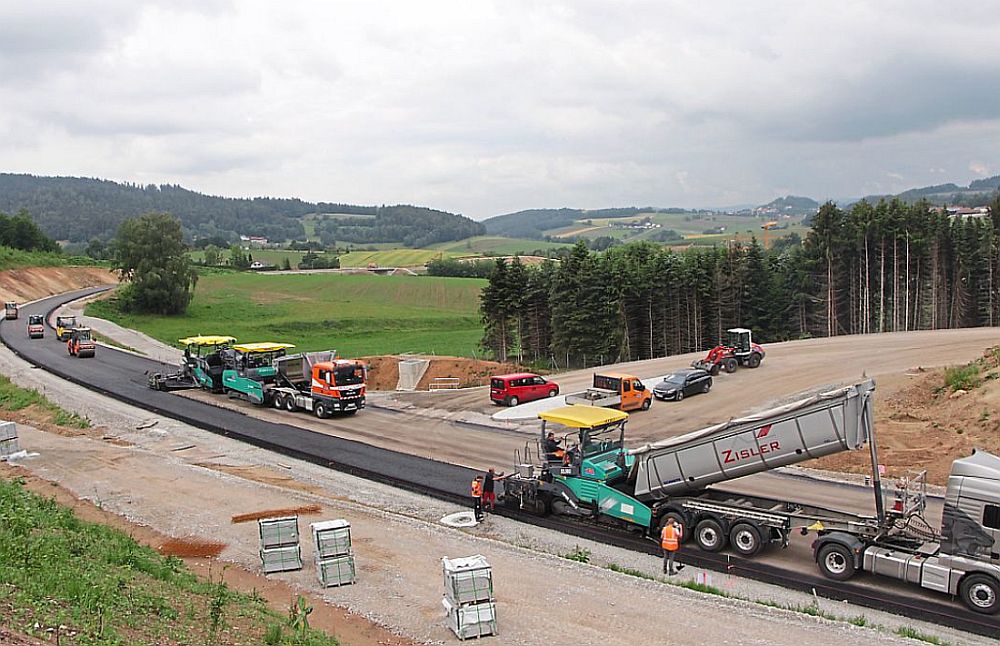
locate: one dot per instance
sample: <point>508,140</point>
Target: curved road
<point>122,376</point>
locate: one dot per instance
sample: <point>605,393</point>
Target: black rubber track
<point>122,375</point>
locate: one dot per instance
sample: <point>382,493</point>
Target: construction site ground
<point>171,480</point>
<point>918,426</point>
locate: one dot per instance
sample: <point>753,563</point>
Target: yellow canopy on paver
<point>266,346</point>
<point>583,416</point>
<point>207,340</point>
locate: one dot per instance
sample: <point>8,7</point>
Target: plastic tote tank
<point>281,559</point>
<point>8,439</point>
<point>474,620</point>
<point>332,538</point>
<point>278,532</point>
<point>467,580</point>
<point>335,571</point>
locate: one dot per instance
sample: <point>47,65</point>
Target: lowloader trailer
<point>594,476</point>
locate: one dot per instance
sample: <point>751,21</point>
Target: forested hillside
<point>872,268</point>
<point>409,225</point>
<point>78,209</point>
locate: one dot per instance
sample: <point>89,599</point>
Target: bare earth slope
<point>38,282</point>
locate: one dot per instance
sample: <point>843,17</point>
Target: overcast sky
<point>484,108</point>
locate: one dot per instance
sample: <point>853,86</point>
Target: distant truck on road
<point>10,310</point>
<point>614,390</point>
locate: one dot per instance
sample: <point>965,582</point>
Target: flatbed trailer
<point>598,478</point>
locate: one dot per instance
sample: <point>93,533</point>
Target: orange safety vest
<point>477,489</point>
<point>670,538</point>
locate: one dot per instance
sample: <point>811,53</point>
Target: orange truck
<point>614,390</point>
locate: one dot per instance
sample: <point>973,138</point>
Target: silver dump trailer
<point>820,425</point>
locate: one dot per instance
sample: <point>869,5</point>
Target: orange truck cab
<point>615,390</point>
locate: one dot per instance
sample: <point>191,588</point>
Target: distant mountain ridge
<point>78,209</point>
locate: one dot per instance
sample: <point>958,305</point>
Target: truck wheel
<point>320,410</point>
<point>512,401</point>
<point>836,562</point>
<point>646,403</point>
<point>278,401</point>
<point>710,536</point>
<point>754,360</point>
<point>715,370</point>
<point>981,593</point>
<point>681,521</point>
<point>745,539</point>
<point>290,403</point>
<point>730,365</point>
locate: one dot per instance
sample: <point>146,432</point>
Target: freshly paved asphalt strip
<point>123,375</point>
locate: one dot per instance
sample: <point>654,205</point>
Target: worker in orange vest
<point>477,497</point>
<point>670,541</point>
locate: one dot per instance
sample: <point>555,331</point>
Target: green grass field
<point>691,225</point>
<point>354,314</point>
<point>396,257</point>
<point>497,245</point>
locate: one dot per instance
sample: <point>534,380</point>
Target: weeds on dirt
<point>13,398</point>
<point>913,633</point>
<point>580,554</point>
<point>58,571</point>
<point>964,377</point>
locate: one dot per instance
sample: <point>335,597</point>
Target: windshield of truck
<point>607,383</point>
<point>66,321</point>
<point>349,375</point>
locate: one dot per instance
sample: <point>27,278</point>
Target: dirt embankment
<point>38,282</point>
<point>383,371</point>
<point>920,423</point>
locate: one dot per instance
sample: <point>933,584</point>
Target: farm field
<point>356,315</point>
<point>691,225</point>
<point>396,257</point>
<point>497,245</point>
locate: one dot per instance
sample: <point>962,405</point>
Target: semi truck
<point>595,476</point>
<point>613,390</point>
<point>313,381</point>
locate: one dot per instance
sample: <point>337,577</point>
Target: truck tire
<point>513,401</point>
<point>320,410</point>
<point>730,364</point>
<point>836,562</point>
<point>646,403</point>
<point>754,360</point>
<point>715,370</point>
<point>980,593</point>
<point>710,536</point>
<point>745,539</point>
<point>278,401</point>
<point>677,516</point>
<point>290,403</point>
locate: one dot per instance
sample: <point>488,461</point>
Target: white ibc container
<point>475,620</point>
<point>8,431</point>
<point>335,571</point>
<point>281,559</point>
<point>276,532</point>
<point>9,447</point>
<point>332,538</point>
<point>467,580</point>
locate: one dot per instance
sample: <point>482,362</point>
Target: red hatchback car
<point>521,387</point>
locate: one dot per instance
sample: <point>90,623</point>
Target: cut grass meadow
<point>92,584</point>
<point>357,315</point>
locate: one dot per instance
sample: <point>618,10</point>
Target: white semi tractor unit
<point>597,477</point>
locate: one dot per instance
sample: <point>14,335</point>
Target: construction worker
<point>670,541</point>
<point>553,452</point>
<point>489,489</point>
<point>477,497</point>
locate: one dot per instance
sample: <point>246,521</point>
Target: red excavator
<point>738,350</point>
